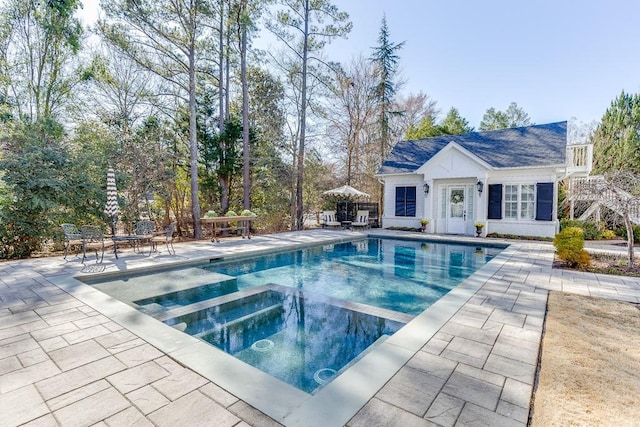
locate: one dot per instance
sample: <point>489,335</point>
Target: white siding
<point>454,167</point>
<point>390,183</point>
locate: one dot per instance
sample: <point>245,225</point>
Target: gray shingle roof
<point>530,146</point>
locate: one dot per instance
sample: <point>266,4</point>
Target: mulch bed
<point>605,264</point>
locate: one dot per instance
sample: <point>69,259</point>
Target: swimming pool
<point>322,294</point>
<point>400,275</point>
<point>303,340</point>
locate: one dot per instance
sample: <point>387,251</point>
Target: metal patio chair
<point>145,232</point>
<point>93,239</point>
<point>72,237</point>
<point>165,238</point>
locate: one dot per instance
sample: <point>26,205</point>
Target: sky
<point>557,59</point>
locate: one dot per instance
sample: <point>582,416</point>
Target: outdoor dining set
<point>91,238</point>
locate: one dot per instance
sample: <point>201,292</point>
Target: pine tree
<point>306,27</point>
<point>385,58</point>
<point>455,124</point>
<point>616,140</point>
<point>513,117</point>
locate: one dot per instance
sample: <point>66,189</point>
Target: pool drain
<point>322,376</point>
<point>262,345</point>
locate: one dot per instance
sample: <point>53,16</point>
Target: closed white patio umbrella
<point>111,208</point>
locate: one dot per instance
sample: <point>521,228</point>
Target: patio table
<point>221,223</point>
<point>133,240</point>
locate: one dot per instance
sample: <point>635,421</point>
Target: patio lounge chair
<point>72,237</point>
<point>329,219</point>
<point>362,219</point>
<point>165,238</point>
<point>93,239</point>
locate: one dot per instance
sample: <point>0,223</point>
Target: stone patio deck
<point>63,362</point>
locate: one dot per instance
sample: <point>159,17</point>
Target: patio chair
<point>165,238</point>
<point>72,237</point>
<point>329,219</point>
<point>93,239</point>
<point>362,219</point>
<point>145,232</point>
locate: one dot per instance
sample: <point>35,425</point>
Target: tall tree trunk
<point>629,226</point>
<point>193,137</point>
<point>292,188</point>
<point>303,122</point>
<point>223,182</point>
<point>227,68</point>
<point>221,91</point>
<point>245,111</point>
<point>384,135</point>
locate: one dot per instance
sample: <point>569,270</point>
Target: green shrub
<point>590,228</point>
<point>232,213</point>
<point>210,214</point>
<point>636,233</point>
<point>247,212</point>
<point>570,246</point>
<point>608,234</point>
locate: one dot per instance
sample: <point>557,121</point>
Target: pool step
<point>276,309</point>
<point>213,317</point>
<point>188,296</point>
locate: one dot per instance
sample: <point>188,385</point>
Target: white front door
<point>456,212</point>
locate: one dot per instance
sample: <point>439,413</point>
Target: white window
<point>527,201</point>
<point>511,201</point>
<point>519,201</point>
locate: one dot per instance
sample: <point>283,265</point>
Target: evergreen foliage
<point>34,165</point>
<point>385,58</point>
<point>425,129</point>
<point>616,140</point>
<point>455,124</point>
<point>590,229</point>
<point>513,117</point>
<point>452,124</point>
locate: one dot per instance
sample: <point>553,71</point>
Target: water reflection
<point>308,335</point>
<point>399,275</point>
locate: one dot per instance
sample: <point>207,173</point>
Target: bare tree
<point>414,107</point>
<point>620,192</point>
<point>351,115</point>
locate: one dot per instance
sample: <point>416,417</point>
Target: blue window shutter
<point>400,198</point>
<point>544,201</point>
<point>495,202</point>
<point>411,202</point>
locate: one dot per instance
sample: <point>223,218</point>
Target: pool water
<point>306,315</point>
<point>301,340</point>
<point>400,275</point>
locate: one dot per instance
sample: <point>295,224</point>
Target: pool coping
<point>345,395</point>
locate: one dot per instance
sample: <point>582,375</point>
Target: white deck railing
<point>579,159</point>
<point>593,188</point>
